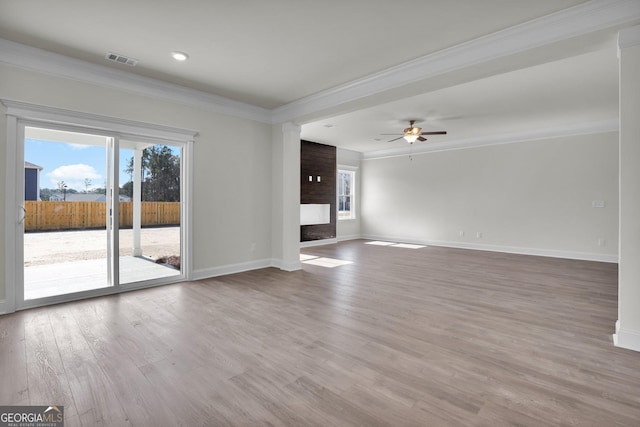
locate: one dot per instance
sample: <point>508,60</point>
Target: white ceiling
<point>263,52</point>
<point>572,91</point>
<point>276,54</point>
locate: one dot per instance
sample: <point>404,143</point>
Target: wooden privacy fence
<point>41,216</point>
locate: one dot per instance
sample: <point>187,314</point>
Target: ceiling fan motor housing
<point>412,131</point>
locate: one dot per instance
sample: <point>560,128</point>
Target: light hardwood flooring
<point>400,337</point>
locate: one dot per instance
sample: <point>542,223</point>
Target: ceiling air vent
<point>121,59</point>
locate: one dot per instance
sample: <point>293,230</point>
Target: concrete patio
<point>68,277</point>
<point>64,262</point>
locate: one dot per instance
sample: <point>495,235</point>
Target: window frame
<point>352,171</point>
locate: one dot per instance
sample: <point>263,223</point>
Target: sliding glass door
<point>98,212</point>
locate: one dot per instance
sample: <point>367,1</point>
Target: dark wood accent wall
<point>318,160</point>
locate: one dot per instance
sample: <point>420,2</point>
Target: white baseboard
<point>349,237</point>
<point>4,307</point>
<point>323,242</point>
<point>626,338</point>
<point>585,256</point>
<point>286,266</point>
<point>206,273</point>
<point>320,242</point>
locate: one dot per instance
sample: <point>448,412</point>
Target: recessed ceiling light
<point>179,56</point>
<point>328,125</point>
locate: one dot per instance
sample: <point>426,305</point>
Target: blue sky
<point>72,163</point>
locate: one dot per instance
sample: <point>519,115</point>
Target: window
<point>346,194</point>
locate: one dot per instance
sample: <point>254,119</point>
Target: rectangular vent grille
<point>121,59</point>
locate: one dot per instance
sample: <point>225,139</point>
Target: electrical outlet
<point>253,247</point>
<point>602,242</point>
<point>479,235</point>
<point>461,233</point>
<point>597,204</point>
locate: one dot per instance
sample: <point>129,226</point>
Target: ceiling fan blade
<point>440,132</point>
<point>400,137</point>
<point>390,134</point>
<point>421,138</point>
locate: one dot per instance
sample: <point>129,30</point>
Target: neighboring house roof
<point>29,165</point>
<point>84,197</point>
<point>122,198</point>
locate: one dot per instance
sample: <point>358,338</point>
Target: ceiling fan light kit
<point>411,134</point>
<point>414,133</point>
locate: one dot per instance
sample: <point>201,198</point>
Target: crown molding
<point>572,22</point>
<point>576,21</point>
<point>629,37</point>
<point>30,58</point>
<point>499,139</point>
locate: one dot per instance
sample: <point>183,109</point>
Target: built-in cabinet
<point>317,191</point>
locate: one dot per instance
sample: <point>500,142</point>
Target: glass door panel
<point>149,211</point>
<point>65,213</point>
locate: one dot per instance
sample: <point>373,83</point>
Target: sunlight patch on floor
<point>377,243</point>
<point>396,245</point>
<point>327,262</point>
<point>323,262</point>
<point>408,246</point>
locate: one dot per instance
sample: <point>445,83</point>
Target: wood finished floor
<point>401,337</point>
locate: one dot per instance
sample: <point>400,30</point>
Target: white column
<point>286,196</point>
<point>628,325</point>
<point>38,184</point>
<point>137,201</point>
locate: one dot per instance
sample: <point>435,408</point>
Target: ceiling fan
<point>414,133</point>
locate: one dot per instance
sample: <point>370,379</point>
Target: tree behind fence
<point>46,216</point>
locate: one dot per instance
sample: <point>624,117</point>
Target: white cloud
<point>74,176</point>
<point>78,146</point>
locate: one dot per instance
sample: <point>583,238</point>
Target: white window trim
<point>20,114</point>
<point>353,170</point>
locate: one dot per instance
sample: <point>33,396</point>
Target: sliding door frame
<point>21,115</point>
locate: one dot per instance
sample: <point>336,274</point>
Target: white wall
<point>350,228</point>
<point>232,175</point>
<point>3,174</point>
<point>530,197</point>
<point>628,326</point>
